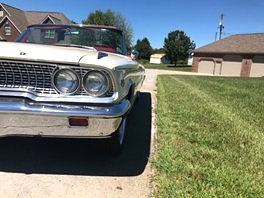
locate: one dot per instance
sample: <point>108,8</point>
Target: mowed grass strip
<point>210,137</point>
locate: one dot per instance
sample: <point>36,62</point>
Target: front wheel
<point>115,143</point>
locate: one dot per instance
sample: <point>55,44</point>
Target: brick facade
<point>246,66</point>
<point>14,33</point>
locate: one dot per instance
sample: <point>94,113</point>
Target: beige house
<point>13,20</point>
<point>159,59</point>
<point>236,55</point>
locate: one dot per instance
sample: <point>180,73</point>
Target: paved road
<point>37,167</point>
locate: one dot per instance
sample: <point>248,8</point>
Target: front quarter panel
<point>127,74</point>
<point>130,80</point>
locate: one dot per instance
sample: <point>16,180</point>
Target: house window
<point>49,34</point>
<point>1,12</point>
<point>7,29</point>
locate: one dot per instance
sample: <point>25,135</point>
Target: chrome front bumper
<point>22,117</point>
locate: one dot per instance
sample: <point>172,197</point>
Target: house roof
<point>22,19</point>
<point>157,55</point>
<point>38,17</point>
<point>16,16</point>
<point>236,44</point>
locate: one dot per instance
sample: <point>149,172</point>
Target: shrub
<point>182,62</point>
<point>143,61</point>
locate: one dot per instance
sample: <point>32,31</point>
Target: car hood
<point>61,54</point>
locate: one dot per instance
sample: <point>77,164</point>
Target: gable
<point>7,20</point>
<point>3,11</point>
<point>14,32</point>
<point>51,20</point>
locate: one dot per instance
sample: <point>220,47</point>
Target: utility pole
<point>221,25</point>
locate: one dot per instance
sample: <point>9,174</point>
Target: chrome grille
<point>33,77</point>
<point>36,77</point>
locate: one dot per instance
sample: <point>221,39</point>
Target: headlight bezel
<point>106,79</point>
<point>55,83</point>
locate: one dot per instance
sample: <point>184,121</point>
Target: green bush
<point>182,62</point>
<point>143,61</point>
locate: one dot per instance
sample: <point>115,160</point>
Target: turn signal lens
<point>78,122</point>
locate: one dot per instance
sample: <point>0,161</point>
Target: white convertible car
<point>68,81</point>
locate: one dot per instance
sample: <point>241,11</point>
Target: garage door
<point>206,66</point>
<point>257,67</point>
<point>231,65</point>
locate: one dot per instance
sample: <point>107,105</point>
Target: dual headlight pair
<point>67,81</point>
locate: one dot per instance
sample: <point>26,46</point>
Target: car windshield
<point>93,37</point>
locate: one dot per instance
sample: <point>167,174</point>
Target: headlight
<point>66,81</point>
<point>96,83</point>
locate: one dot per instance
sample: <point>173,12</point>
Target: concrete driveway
<point>38,167</point>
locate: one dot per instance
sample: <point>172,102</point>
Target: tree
<point>159,51</point>
<point>111,18</point>
<point>73,22</point>
<point>144,48</point>
<point>178,46</point>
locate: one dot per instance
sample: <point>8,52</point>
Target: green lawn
<point>185,68</point>
<point>210,137</point>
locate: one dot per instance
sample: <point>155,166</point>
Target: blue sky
<point>154,19</point>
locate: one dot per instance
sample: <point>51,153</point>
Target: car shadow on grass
<point>75,157</point>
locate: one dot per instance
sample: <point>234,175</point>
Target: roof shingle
<point>34,17</point>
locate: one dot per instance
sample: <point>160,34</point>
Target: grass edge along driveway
<point>210,140</point>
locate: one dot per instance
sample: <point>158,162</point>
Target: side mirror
<point>134,54</point>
